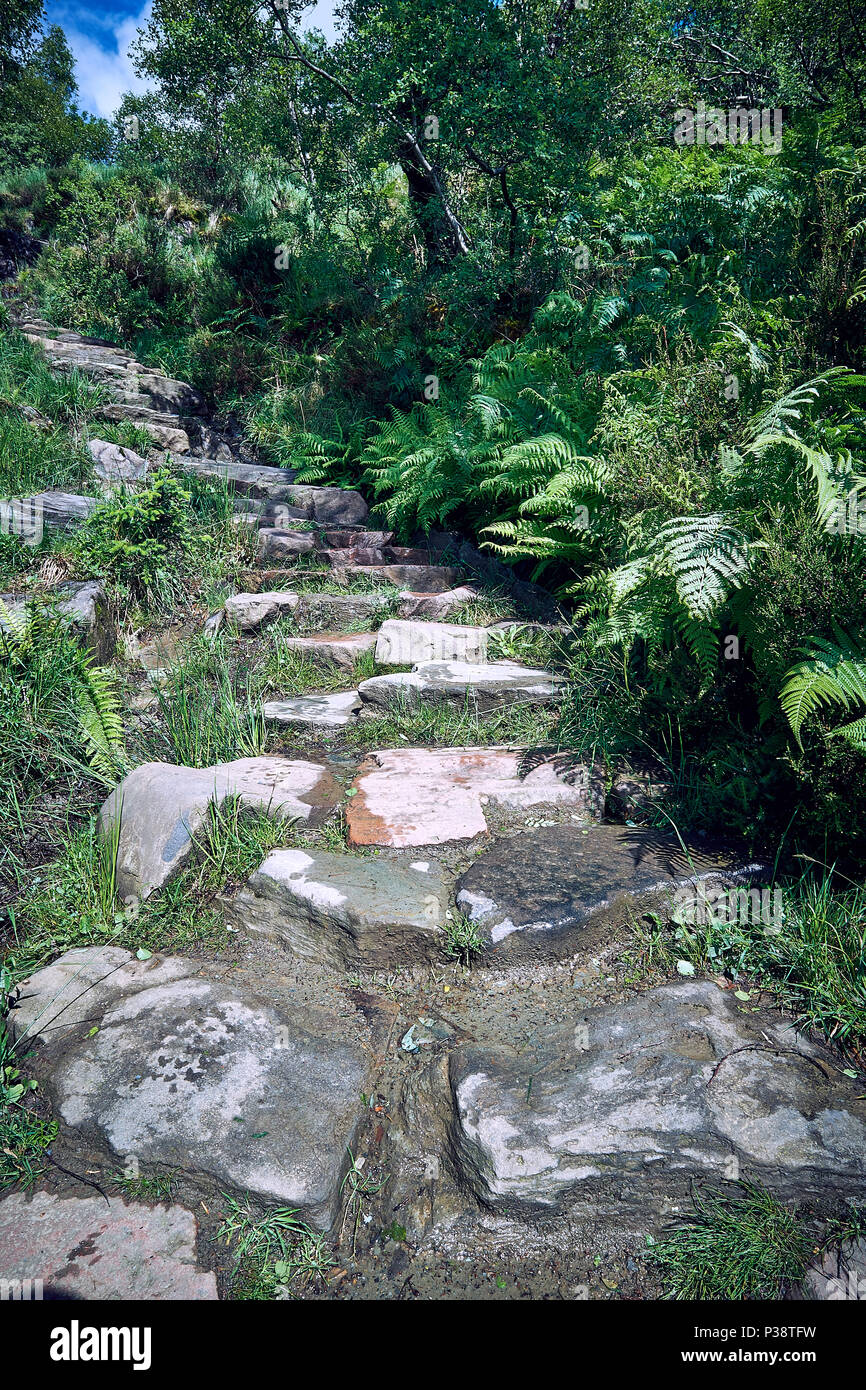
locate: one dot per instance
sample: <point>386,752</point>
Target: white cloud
<point>103,66</point>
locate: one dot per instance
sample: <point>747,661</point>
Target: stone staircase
<point>175,416</point>
<point>540,1114</point>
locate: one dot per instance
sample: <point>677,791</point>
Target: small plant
<point>357,1187</point>
<point>133,537</point>
<point>463,940</point>
<point>275,1253</point>
<point>736,1245</point>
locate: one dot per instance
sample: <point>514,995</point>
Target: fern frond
<point>832,673</point>
<point>100,719</point>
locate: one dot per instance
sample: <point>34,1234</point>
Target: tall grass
<point>208,711</point>
<point>813,961</point>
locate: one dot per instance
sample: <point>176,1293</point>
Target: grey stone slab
<point>542,891</point>
<point>636,1101</point>
<point>342,910</point>
<point>206,1076</point>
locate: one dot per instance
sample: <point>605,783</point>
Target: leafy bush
<point>133,536</point>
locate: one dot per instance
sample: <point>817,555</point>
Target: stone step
<point>321,611</point>
<point>342,910</point>
<point>586,881</point>
<point>326,711</point>
<point>119,411</point>
<point>345,540</point>
<point>64,353</point>
<point>419,579</point>
<point>115,466</point>
<point>419,796</point>
<point>486,686</point>
<point>275,545</point>
<point>404,642</point>
<point>240,1091</point>
<point>333,648</point>
<point>649,1098</point>
<point>162,808</point>
<point>284,500</point>
<point>435,607</point>
<point>248,612</point>
<point>248,480</point>
<point>60,511</point>
<point>362,554</point>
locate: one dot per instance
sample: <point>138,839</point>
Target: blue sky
<point>101,33</point>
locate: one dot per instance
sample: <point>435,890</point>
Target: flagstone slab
<point>547,890</point>
<point>250,611</point>
<point>200,1073</point>
<point>89,1249</point>
<point>629,1106</point>
<point>426,579</point>
<point>486,685</point>
<point>333,648</point>
<point>435,607</point>
<point>419,796</point>
<point>403,642</point>
<point>315,711</point>
<point>345,910</point>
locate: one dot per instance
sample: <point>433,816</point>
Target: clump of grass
<point>453,725</point>
<point>275,1254</point>
<point>526,645</point>
<point>287,671</point>
<point>235,841</point>
<point>208,711</point>
<point>24,1133</point>
<point>24,1137</point>
<point>813,961</point>
<point>124,433</point>
<point>146,1187</point>
<point>736,1245</point>
<point>26,379</point>
<point>463,940</point>
<point>35,460</point>
<point>74,904</point>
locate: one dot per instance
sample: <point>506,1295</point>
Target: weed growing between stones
<point>356,1190</point>
<point>813,961</point>
<point>208,710</point>
<point>464,941</point>
<point>275,1254</point>
<point>735,1245</point>
<point>146,1187</point>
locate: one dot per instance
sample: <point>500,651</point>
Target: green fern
<point>831,674</point>
<point>101,721</point>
